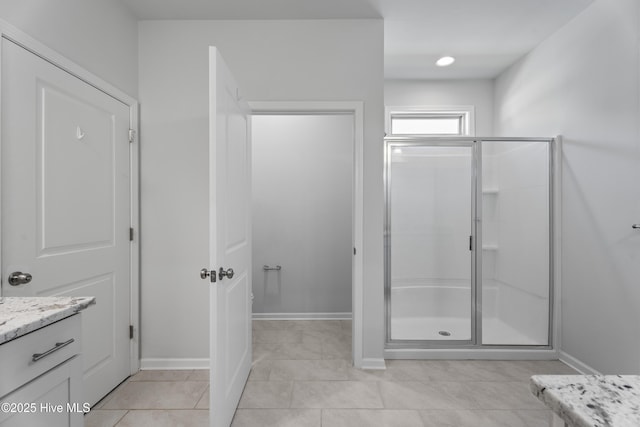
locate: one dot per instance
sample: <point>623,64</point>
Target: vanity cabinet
<point>41,377</point>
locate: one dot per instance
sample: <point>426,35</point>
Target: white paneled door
<point>66,203</point>
<point>230,241</point>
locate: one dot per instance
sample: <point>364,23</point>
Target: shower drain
<point>444,333</point>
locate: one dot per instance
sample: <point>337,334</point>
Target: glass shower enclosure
<point>468,242</point>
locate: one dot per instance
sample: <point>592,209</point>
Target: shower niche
<point>468,243</point>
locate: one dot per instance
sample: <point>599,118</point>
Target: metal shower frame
<point>475,143</point>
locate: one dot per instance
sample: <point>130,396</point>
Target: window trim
<point>465,112</point>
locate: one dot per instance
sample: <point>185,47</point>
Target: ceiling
<point>485,36</point>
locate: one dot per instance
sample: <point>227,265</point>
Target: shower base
<point>429,328</point>
<point>495,331</point>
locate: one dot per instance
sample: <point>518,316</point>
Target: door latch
<point>204,273</point>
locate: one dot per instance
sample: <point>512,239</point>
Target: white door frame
<point>17,36</point>
<point>356,108</point>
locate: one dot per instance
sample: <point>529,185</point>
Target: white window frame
<point>465,112</point>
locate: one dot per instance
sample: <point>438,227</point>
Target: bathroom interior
<point>511,240</point>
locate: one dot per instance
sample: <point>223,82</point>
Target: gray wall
<point>273,61</point>
<point>582,83</point>
<point>302,198</point>
<point>478,93</point>
<point>99,35</point>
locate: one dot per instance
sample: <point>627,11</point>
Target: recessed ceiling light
<point>445,61</point>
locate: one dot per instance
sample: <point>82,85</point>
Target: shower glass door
<point>430,206</point>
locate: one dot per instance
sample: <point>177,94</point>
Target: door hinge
<point>132,135</point>
<point>354,251</point>
<point>131,234</point>
<point>130,332</point>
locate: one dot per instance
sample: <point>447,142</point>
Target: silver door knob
<point>228,273</point>
<point>635,226</point>
<point>19,278</point>
<point>204,273</point>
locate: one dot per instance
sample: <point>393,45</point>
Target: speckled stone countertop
<point>21,315</point>
<point>591,400</point>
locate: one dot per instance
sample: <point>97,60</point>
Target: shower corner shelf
<point>490,191</point>
<point>489,247</point>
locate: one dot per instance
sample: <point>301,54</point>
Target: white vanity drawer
<point>27,357</point>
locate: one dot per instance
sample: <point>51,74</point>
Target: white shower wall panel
<point>523,312</point>
<point>522,212</point>
<point>430,219</point>
<point>522,258</point>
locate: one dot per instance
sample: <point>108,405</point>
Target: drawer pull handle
<point>59,345</point>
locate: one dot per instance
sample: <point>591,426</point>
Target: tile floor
<point>301,376</point>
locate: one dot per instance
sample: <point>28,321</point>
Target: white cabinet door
<point>52,400</point>
<point>230,241</point>
<point>66,203</point>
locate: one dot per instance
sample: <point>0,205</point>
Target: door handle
<point>204,273</point>
<point>18,278</point>
<point>229,273</point>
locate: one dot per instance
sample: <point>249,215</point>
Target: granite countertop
<point>21,315</point>
<point>591,400</point>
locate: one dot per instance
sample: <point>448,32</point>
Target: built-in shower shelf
<point>490,191</point>
<point>489,247</point>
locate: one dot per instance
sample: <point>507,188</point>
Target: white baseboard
<point>301,316</point>
<point>577,364</point>
<point>173,364</point>
<point>370,363</point>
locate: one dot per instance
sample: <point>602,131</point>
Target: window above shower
<point>435,121</point>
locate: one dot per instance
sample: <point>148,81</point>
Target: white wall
<point>582,83</point>
<point>302,213</point>
<point>273,61</point>
<point>478,93</point>
<point>99,35</point>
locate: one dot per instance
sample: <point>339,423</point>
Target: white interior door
<point>66,203</point>
<point>230,241</point>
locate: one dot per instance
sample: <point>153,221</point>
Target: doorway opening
<point>307,213</point>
